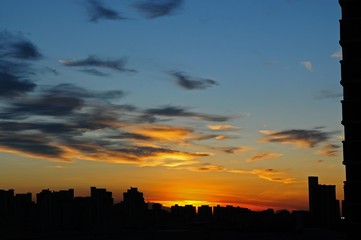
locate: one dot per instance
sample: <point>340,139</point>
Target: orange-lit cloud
<point>329,150</point>
<point>267,174</point>
<point>222,127</point>
<point>261,156</point>
<point>207,167</point>
<point>231,149</point>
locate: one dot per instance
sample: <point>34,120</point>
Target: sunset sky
<point>230,102</point>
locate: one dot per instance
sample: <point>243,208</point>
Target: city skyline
<point>230,102</point>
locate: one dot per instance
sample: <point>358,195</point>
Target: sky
<point>218,102</point>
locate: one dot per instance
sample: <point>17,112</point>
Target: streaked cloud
<point>158,8</point>
<point>261,156</point>
<point>231,150</point>
<point>93,61</point>
<point>18,47</point>
<point>223,127</point>
<point>269,174</point>
<point>66,122</point>
<point>208,167</point>
<point>95,72</point>
<point>308,65</point>
<point>14,86</point>
<point>337,54</point>
<point>298,137</point>
<point>175,111</point>
<point>191,83</point>
<point>329,150</point>
<point>97,11</point>
<point>324,94</point>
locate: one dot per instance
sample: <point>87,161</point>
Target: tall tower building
<point>323,206</point>
<point>350,41</point>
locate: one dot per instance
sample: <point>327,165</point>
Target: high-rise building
<point>323,206</point>
<point>350,41</point>
<point>101,202</point>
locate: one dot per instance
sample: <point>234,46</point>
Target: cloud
<point>66,122</point>
<point>298,137</point>
<point>15,53</point>
<point>222,127</point>
<point>158,8</point>
<point>95,72</point>
<point>16,46</point>
<point>93,61</point>
<point>269,174</point>
<point>337,54</point>
<point>173,111</point>
<point>14,86</point>
<point>97,11</point>
<point>208,167</point>
<point>329,150</point>
<point>261,156</point>
<point>190,83</point>
<point>231,150</point>
<point>307,65</point>
<point>327,94</point>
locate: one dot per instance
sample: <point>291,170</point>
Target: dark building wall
<point>350,41</point>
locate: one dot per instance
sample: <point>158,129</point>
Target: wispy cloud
<point>174,111</point>
<point>93,61</point>
<point>16,54</point>
<point>269,174</point>
<point>17,46</point>
<point>298,137</point>
<point>308,65</point>
<point>337,54</point>
<point>158,8</point>
<point>14,86</point>
<point>95,72</point>
<point>327,94</point>
<point>231,150</point>
<point>329,150</point>
<point>223,127</point>
<point>97,11</point>
<point>261,156</point>
<point>190,83</point>
<point>208,167</point>
<point>66,122</point>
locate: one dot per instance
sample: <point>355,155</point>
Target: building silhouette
<point>324,208</point>
<point>101,203</point>
<point>350,41</point>
<point>98,217</point>
<point>134,208</point>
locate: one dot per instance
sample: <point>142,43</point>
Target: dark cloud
<point>31,145</point>
<point>14,67</point>
<point>93,61</point>
<point>158,8</point>
<point>327,94</point>
<point>97,11</point>
<point>95,72</point>
<point>66,122</point>
<point>190,83</point>
<point>299,137</point>
<point>13,86</point>
<point>16,46</point>
<point>172,111</point>
<point>71,90</point>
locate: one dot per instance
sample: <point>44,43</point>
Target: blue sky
<point>248,90</point>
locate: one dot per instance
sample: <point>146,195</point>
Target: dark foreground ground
<point>309,234</point>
